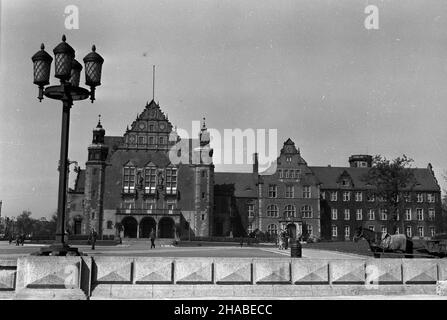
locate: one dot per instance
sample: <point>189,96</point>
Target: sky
<point>309,69</point>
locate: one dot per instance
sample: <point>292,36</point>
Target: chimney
<point>255,163</point>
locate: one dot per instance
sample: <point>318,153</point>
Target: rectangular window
<point>346,196</point>
<point>251,210</point>
<point>129,180</point>
<point>334,196</point>
<point>289,192</point>
<point>297,173</point>
<point>292,174</point>
<point>286,173</point>
<point>421,231</point>
<point>359,214</point>
<point>289,159</point>
<point>409,232</point>
<point>306,192</point>
<point>347,232</point>
<point>334,231</point>
<point>250,229</point>
<point>359,196</point>
<point>334,214</point>
<point>309,230</point>
<point>384,230</point>
<point>383,214</point>
<point>150,179</point>
<point>431,197</point>
<point>171,181</point>
<point>347,214</point>
<point>162,140</point>
<point>149,205</point>
<point>420,197</point>
<point>431,214</point>
<point>407,197</point>
<point>371,214</point>
<point>370,197</point>
<point>171,206</point>
<point>408,214</point>
<point>432,231</point>
<point>323,195</point>
<point>420,214</point>
<point>272,191</point>
<point>151,140</point>
<point>280,173</point>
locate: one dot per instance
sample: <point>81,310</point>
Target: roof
<point>244,183</point>
<point>80,181</point>
<point>329,176</point>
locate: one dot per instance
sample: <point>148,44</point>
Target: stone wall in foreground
<point>34,277</point>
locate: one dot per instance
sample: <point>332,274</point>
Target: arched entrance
<point>166,228</point>
<point>130,227</point>
<point>77,225</point>
<point>291,229</point>
<point>146,226</point>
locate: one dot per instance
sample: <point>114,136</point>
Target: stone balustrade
<point>34,277</point>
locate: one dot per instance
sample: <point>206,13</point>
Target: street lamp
<point>68,71</point>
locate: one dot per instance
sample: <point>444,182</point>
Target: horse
<point>388,243</point>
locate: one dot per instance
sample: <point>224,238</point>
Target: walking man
<point>152,236</point>
<point>93,236</point>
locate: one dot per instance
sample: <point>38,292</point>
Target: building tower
<point>204,176</point>
<point>94,181</point>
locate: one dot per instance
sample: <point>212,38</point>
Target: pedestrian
<point>121,236</point>
<point>93,236</point>
<point>152,236</point>
<point>10,238</point>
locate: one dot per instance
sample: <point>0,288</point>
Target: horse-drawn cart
<point>400,246</point>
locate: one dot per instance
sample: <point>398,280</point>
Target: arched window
<point>272,210</point>
<point>272,229</point>
<point>306,211</point>
<point>290,211</point>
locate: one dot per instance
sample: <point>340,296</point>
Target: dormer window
<point>345,183</point>
<point>288,159</point>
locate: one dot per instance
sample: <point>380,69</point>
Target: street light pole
<point>68,71</point>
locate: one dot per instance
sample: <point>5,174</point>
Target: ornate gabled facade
<point>136,181</point>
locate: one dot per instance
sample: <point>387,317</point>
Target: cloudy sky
<point>309,69</point>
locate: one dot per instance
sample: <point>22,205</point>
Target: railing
<point>148,211</point>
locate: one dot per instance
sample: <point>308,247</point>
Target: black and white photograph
<point>223,155</point>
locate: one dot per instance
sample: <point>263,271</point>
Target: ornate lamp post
<point>68,71</point>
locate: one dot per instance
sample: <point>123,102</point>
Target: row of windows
<point>289,173</point>
<point>289,211</point>
<point>272,229</point>
<point>289,191</point>
<point>383,214</point>
<point>151,140</point>
<point>150,179</point>
<point>147,205</point>
<point>384,230</point>
<point>358,196</point>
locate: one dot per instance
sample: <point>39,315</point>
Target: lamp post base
<point>58,249</point>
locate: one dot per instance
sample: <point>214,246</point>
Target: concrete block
<point>420,271</point>
<point>442,269</point>
<point>347,271</point>
<point>116,270</point>
<point>305,271</point>
<point>441,288</point>
<point>193,271</point>
<point>48,272</point>
<point>7,278</point>
<point>233,271</point>
<point>383,271</point>
<point>153,270</point>
<point>272,271</point>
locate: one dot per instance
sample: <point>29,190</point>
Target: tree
<point>24,222</point>
<point>392,182</point>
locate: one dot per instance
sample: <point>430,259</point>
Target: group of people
<point>19,239</point>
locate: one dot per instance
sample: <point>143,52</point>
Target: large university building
<point>152,179</point>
